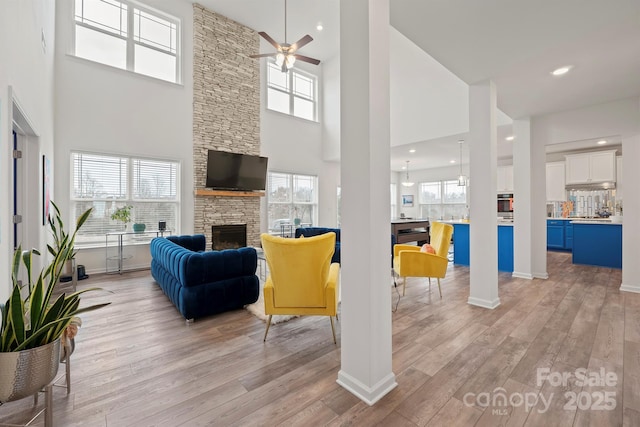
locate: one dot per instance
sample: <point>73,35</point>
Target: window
<point>292,92</point>
<point>442,200</point>
<point>107,182</point>
<point>291,200</point>
<point>127,35</point>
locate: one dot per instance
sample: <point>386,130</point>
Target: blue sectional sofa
<point>315,231</point>
<point>199,282</point>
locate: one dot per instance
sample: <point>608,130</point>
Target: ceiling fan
<point>286,53</point>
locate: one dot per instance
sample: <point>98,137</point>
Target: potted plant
<point>61,238</point>
<point>123,215</point>
<point>32,324</point>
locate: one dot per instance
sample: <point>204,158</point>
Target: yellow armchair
<point>302,280</point>
<point>410,261</point>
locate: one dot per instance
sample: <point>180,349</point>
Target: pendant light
<point>406,182</point>
<point>462,180</point>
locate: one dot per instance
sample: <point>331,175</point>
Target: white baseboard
<point>544,275</point>
<point>630,288</point>
<point>522,275</point>
<point>369,395</point>
<point>484,303</point>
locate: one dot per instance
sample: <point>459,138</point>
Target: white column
<point>538,208</point>
<point>522,188</point>
<point>530,226</point>
<point>366,369</point>
<point>630,214</point>
<point>483,233</point>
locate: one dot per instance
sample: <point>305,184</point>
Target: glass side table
<point>118,258</point>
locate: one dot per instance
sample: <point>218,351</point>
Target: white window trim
<point>292,202</point>
<point>290,93</point>
<point>131,42</point>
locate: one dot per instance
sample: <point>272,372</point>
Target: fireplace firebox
<point>231,236</point>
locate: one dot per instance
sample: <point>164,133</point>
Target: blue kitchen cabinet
<point>568,235</point>
<point>597,244</point>
<point>505,246</point>
<point>555,234</point>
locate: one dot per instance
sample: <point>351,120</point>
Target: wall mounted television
<point>233,171</point>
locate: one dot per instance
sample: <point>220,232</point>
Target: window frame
<point>442,204</point>
<point>291,202</point>
<point>271,63</point>
<point>131,40</point>
<point>129,199</point>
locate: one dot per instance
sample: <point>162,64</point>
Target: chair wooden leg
<point>333,330</point>
<point>439,288</point>
<point>268,324</point>
<point>429,284</point>
<point>404,285</point>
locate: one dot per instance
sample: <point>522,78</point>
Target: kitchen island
<point>597,243</point>
<point>461,244</point>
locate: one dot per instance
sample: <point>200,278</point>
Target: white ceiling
<point>515,43</point>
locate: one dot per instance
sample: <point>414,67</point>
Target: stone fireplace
<point>226,115</point>
<point>230,236</point>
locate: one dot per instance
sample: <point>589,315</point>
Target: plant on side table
<point>123,215</point>
<point>32,325</point>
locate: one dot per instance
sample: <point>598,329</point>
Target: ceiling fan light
<point>290,60</point>
<point>279,59</point>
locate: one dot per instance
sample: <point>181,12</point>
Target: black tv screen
<point>232,171</point>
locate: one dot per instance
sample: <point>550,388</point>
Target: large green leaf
<point>16,315</point>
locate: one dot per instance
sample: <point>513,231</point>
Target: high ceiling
<point>440,47</point>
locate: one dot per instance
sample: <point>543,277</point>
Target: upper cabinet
<point>505,179</point>
<point>555,182</point>
<point>591,168</point>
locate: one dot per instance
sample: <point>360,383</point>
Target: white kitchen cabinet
<point>591,168</point>
<point>505,179</point>
<point>555,182</point>
<point>618,178</point>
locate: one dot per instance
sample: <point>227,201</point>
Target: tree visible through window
<point>125,34</point>
<point>107,182</point>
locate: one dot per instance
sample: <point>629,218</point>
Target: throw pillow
<point>427,248</point>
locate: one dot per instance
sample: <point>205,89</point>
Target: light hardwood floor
<point>137,363</point>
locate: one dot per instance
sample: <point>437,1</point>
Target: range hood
<point>591,186</point>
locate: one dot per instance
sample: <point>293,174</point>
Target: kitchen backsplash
<point>586,203</point>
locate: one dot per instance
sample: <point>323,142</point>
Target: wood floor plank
<point>608,344</point>
<point>508,406</point>
<point>632,317</point>
<point>631,376</point>
<point>455,413</point>
<point>541,354</point>
<point>601,404</point>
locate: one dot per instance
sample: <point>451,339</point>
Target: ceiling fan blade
<point>307,59</point>
<point>262,55</point>
<point>297,45</point>
<point>268,38</point>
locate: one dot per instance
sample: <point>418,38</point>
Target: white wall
<point>28,69</point>
<point>595,121</point>
<point>295,145</point>
<point>108,110</point>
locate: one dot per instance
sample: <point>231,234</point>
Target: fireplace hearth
<point>231,236</point>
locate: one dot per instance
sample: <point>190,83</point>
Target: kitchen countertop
<point>595,221</point>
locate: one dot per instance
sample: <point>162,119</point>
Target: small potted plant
<point>123,215</point>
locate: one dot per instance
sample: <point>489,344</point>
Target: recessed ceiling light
<point>452,161</point>
<point>412,150</point>
<point>562,70</point>
<point>404,167</point>
<point>319,27</point>
<point>602,142</point>
<point>510,138</point>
